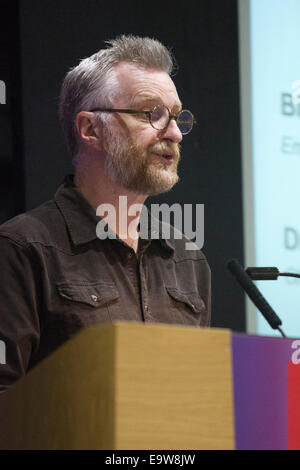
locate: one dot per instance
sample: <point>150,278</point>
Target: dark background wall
<point>11,155</point>
<point>203,35</point>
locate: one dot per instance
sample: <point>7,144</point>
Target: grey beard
<point>126,165</point>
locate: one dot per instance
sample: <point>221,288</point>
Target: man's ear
<point>88,129</point>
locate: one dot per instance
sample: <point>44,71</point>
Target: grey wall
<point>203,36</point>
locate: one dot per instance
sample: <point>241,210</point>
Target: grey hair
<point>93,82</point>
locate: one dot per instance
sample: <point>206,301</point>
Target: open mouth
<point>166,157</point>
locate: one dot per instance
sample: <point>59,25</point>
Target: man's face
<point>139,157</point>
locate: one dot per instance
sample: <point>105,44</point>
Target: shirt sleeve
<point>19,320</point>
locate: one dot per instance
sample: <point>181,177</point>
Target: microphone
<point>267,274</point>
<point>263,274</point>
<point>255,295</point>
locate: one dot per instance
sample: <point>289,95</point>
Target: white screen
<point>272,180</point>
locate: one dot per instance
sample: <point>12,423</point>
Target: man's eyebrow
<point>177,107</point>
<point>151,100</point>
<point>142,101</point>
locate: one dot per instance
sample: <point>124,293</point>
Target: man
<point>122,118</point>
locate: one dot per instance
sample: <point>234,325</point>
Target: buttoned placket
<point>136,274</point>
<point>135,268</point>
<point>143,285</point>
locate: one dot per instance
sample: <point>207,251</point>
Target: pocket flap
<point>93,294</point>
<point>192,299</point>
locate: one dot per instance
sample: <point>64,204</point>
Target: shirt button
<point>129,256</point>
<point>94,298</point>
<point>146,308</point>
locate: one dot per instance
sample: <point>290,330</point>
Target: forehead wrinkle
<point>140,85</point>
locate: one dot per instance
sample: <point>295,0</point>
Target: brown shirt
<point>57,277</point>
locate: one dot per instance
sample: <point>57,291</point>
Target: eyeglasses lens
<point>185,121</point>
<point>160,117</point>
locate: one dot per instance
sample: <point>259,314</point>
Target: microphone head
<point>234,266</point>
<point>263,274</point>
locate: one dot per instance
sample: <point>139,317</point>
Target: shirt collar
<point>79,215</point>
<point>81,219</point>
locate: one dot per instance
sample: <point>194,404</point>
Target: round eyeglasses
<point>160,117</point>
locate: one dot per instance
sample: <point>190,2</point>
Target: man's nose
<point>172,132</point>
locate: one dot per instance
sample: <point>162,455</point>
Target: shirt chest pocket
<point>188,305</point>
<point>89,303</point>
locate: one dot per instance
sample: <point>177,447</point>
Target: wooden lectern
<point>126,386</point>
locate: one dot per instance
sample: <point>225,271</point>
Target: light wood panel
<point>173,388</point>
<point>126,386</point>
